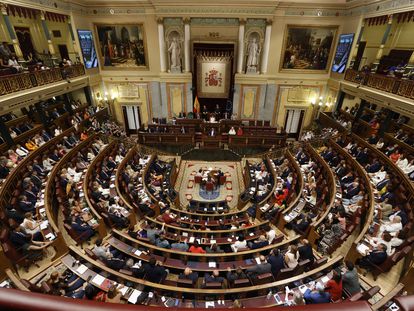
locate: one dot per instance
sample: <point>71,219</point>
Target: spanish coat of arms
<point>213,78</point>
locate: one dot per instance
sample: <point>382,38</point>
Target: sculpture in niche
<point>253,52</point>
<point>174,51</point>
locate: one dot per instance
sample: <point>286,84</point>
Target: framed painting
<point>122,46</point>
<point>308,48</point>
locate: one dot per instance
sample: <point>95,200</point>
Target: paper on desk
<point>82,269</point>
<point>209,304</point>
<point>212,264</point>
<point>123,290</point>
<point>138,252</point>
<point>230,240</point>
<point>251,233</point>
<point>44,225</point>
<point>184,234</point>
<point>134,296</point>
<point>362,249</point>
<point>50,236</point>
<point>325,279</point>
<point>303,288</point>
<point>98,279</point>
<point>213,241</point>
<point>257,260</point>
<point>191,240</point>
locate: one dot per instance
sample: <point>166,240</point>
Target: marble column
<point>47,34</point>
<point>355,52</point>
<point>384,39</point>
<point>266,47</point>
<point>187,63</point>
<point>10,30</point>
<point>72,36</point>
<point>240,55</point>
<point>161,42</point>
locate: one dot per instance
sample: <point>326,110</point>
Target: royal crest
<point>213,78</point>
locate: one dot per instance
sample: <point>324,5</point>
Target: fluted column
<point>47,34</point>
<point>10,30</point>
<point>240,56</point>
<point>161,42</point>
<point>72,36</point>
<point>187,35</point>
<point>384,38</point>
<point>266,47</point>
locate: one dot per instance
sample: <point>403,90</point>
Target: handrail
<point>16,281</point>
<point>301,276</point>
<point>208,255</point>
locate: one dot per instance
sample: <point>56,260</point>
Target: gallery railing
<point>395,85</point>
<point>26,80</point>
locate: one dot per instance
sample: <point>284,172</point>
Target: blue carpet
<point>208,195</point>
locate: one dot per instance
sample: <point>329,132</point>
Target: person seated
<point>25,243</point>
<point>317,294</point>
<point>239,244</point>
<point>306,251</point>
<point>375,257</point>
<point>196,248</point>
<point>387,239</point>
<point>259,243</point>
<point>180,246</point>
<point>350,279</point>
<point>188,274</point>
<point>238,274</point>
<point>302,225</point>
<point>292,256</point>
<point>213,277</point>
<point>392,226</point>
<point>262,267</point>
<point>334,286</point>
<point>154,271</point>
<point>162,242</point>
<point>82,229</point>
<point>168,217</point>
<point>276,261</point>
<point>214,248</point>
<point>31,226</point>
<point>30,145</point>
<point>239,131</point>
<point>232,131</point>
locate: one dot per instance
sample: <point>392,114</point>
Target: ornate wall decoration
<point>128,90</point>
<point>176,99</point>
<point>249,101</point>
<point>213,68</point>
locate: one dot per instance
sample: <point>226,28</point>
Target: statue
<point>253,51</point>
<point>175,55</point>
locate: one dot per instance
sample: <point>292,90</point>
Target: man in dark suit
<point>374,167</point>
<point>4,171</point>
<point>154,272</point>
<point>214,277</point>
<point>111,163</point>
<point>188,274</point>
<point>376,257</point>
<point>352,190</point>
<point>39,169</point>
<point>276,261</point>
<point>25,205</point>
<point>45,136</point>
<point>306,251</point>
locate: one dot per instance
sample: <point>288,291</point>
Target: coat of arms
<point>213,78</point>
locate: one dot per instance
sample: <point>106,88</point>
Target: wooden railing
<point>398,86</point>
<point>26,80</point>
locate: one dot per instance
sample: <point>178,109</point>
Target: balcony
<point>26,80</point>
<point>394,85</point>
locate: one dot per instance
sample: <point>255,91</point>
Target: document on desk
<point>82,269</point>
<point>362,249</point>
<point>138,252</point>
<point>98,279</point>
<point>303,289</point>
<point>191,240</point>
<point>213,241</point>
<point>212,264</point>
<point>134,296</point>
<point>184,234</point>
<point>44,225</point>
<point>123,290</point>
<point>209,304</point>
<point>257,260</point>
<point>325,279</point>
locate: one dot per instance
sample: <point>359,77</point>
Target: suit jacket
<point>306,252</point>
<point>260,268</point>
<point>277,263</point>
<point>377,257</point>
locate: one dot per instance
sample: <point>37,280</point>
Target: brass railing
<point>398,86</point>
<point>26,80</point>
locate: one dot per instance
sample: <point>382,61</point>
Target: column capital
<point>242,21</point>
<point>269,21</point>
<point>3,8</point>
<point>42,15</point>
<point>186,20</point>
<point>160,20</point>
<point>390,17</point>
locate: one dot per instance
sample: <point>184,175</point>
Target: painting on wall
<point>122,46</point>
<point>308,48</point>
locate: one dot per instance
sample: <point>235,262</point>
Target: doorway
<point>132,119</point>
<point>293,122</point>
<point>25,41</point>
<point>63,51</point>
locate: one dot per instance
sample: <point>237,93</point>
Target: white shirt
<point>402,164</point>
<point>232,131</point>
<point>235,247</point>
<point>22,152</point>
<point>271,235</point>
